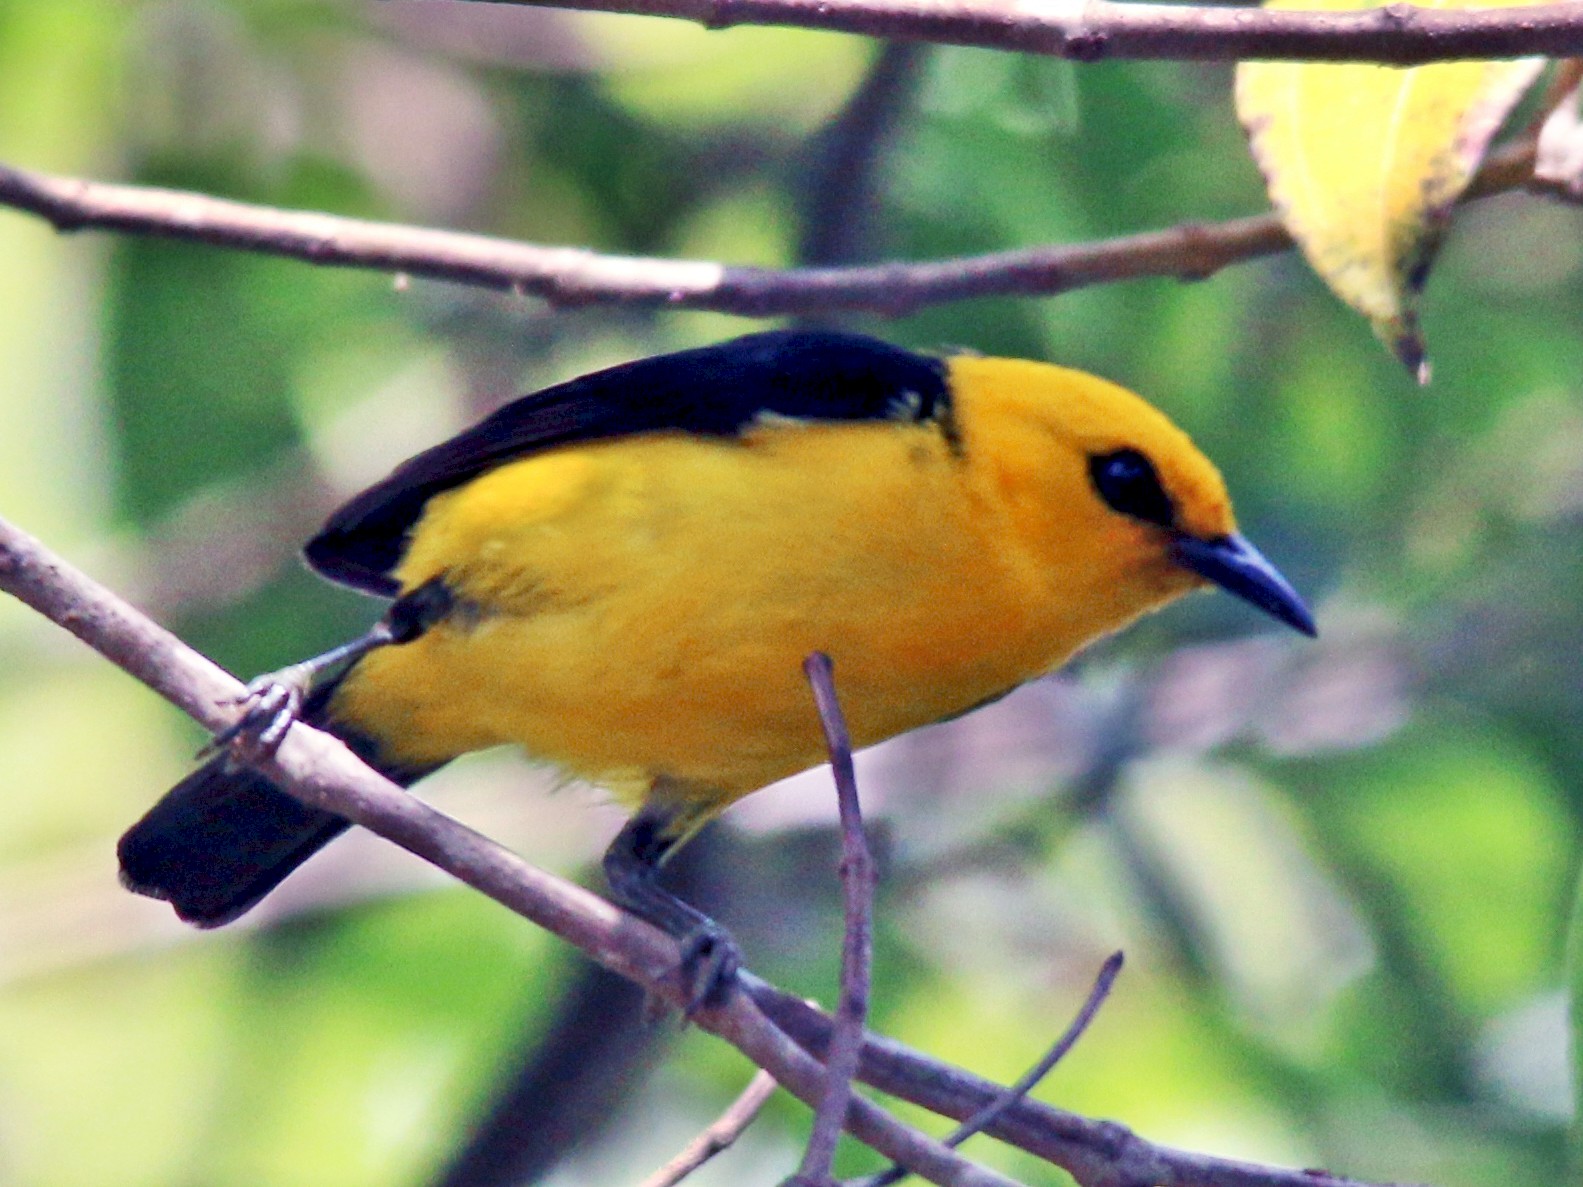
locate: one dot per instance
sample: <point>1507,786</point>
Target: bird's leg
<point>710,957</point>
<point>274,700</point>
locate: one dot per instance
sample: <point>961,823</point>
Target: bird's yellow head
<point>1116,506</point>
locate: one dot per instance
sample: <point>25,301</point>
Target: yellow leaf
<point>1364,163</point>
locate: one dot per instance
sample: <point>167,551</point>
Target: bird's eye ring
<point>1126,481</point>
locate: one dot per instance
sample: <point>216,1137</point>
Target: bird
<point>622,575</point>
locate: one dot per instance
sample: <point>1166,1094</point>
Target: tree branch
<point>320,771</point>
<point>1089,30</point>
<point>570,276</point>
<point>774,1029</point>
<point>575,276</point>
<point>1095,1153</point>
<point>985,1117</point>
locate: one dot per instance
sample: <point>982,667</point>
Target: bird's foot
<point>709,966</point>
<point>271,704</point>
<point>707,970</point>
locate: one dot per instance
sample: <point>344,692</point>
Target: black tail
<point>222,839</point>
<point>219,841</point>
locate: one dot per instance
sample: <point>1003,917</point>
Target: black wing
<point>715,390</point>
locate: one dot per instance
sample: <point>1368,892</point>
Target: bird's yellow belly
<point>625,630</point>
<point>709,699</point>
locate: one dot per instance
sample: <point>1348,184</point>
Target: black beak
<point>1239,568</point>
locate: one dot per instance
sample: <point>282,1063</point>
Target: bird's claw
<point>708,967</point>
<point>271,704</point>
<point>707,971</point>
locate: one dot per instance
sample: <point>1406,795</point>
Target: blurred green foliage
<point>1342,872</point>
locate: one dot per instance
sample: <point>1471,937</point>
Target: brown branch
<point>774,1029</point>
<point>320,771</point>
<point>720,1134</point>
<point>574,276</point>
<point>990,1113</point>
<point>1095,1153</point>
<point>857,948</point>
<point>1088,30</point>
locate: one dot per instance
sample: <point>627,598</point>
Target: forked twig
<point>993,1111</point>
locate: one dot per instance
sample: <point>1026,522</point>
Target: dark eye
<point>1128,484</point>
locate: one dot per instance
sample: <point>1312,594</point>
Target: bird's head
<point>1114,501</point>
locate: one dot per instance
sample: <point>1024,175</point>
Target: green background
<point>1342,871</point>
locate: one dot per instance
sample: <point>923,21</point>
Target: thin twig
<point>987,1116</point>
<point>857,947</point>
<point>574,276</point>
<point>1095,1153</point>
<point>319,770</point>
<point>1395,34</point>
<point>720,1134</point>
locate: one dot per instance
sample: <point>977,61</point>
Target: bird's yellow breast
<point>642,607</point>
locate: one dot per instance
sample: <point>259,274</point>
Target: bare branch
<point>1089,30</point>
<point>722,1132</point>
<point>857,948</point>
<point>320,771</point>
<point>1095,1153</point>
<point>987,1116</point>
<point>574,276</point>
<point>749,1031</point>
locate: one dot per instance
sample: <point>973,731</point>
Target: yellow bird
<point>624,573</point>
